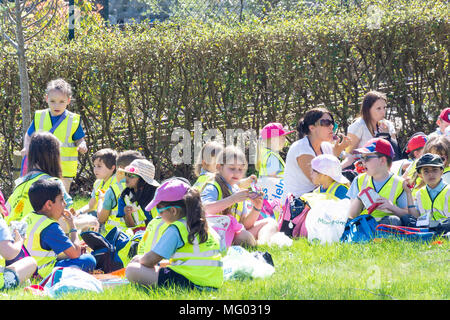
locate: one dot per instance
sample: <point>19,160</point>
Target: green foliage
<point>134,85</point>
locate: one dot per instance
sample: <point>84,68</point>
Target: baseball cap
<point>445,115</point>
<point>143,168</point>
<point>416,142</point>
<point>171,190</point>
<point>274,129</point>
<point>429,160</point>
<point>379,145</point>
<point>329,165</point>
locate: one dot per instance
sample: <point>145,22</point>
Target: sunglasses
<point>367,158</point>
<point>131,175</point>
<point>160,210</point>
<point>327,123</point>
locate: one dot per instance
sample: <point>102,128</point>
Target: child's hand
<point>385,205</point>
<point>68,218</point>
<point>82,148</point>
<point>17,236</point>
<point>23,152</point>
<point>128,210</point>
<point>240,196</point>
<point>257,200</point>
<point>407,185</point>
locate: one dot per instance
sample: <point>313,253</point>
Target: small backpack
<point>114,251</point>
<point>291,214</point>
<point>359,229</point>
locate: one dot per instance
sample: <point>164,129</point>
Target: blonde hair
<point>209,151</point>
<point>61,85</point>
<point>229,155</point>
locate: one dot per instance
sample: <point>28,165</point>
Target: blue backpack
<point>359,229</point>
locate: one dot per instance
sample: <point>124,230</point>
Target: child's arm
<point>26,144</point>
<point>355,209</point>
<point>81,145</point>
<point>75,250</point>
<point>412,210</point>
<point>387,206</point>
<point>249,219</point>
<point>150,259</point>
<point>218,206</point>
<point>9,250</point>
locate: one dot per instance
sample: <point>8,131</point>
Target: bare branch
<point>55,9</point>
<point>31,9</point>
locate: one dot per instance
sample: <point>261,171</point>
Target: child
<point>223,196</point>
<point>20,270</point>
<point>440,146</point>
<point>139,191</point>
<point>45,240</point>
<point>432,200</point>
<point>205,166</point>
<point>43,163</point>
<point>443,122</point>
<point>414,149</point>
<point>108,214</point>
<point>190,244</point>
<point>65,125</point>
<point>377,155</point>
<point>327,175</point>
<point>104,169</point>
<point>272,140</point>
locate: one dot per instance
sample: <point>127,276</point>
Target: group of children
<point>178,245</point>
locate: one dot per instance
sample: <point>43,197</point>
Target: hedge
<point>133,86</point>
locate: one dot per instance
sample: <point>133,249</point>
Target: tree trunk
<point>23,71</point>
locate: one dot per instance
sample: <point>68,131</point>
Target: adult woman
<point>372,122</point>
<point>316,136</point>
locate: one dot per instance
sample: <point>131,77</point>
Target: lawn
<point>383,270</point>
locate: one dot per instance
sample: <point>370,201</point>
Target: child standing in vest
<point>223,196</point>
<point>433,200</point>
<point>327,175</point>
<point>108,215</point>
<point>43,163</point>
<point>185,238</point>
<point>104,169</point>
<point>45,240</point>
<point>65,125</point>
<point>272,140</point>
<point>139,191</point>
<point>10,248</point>
<point>376,156</point>
<point>205,166</point>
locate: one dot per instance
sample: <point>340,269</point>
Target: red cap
<point>416,143</point>
<point>445,115</point>
<point>377,145</point>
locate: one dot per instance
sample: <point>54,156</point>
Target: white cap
<point>329,165</point>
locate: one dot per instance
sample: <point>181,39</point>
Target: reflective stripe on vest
<point>45,259</point>
<point>19,202</point>
<point>64,133</point>
<point>155,229</point>
<point>436,209</point>
<point>113,220</point>
<point>391,190</point>
<point>236,209</point>
<point>331,188</point>
<point>265,157</point>
<point>199,262</point>
<point>202,180</point>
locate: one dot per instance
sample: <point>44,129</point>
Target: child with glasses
<point>376,156</point>
<point>180,233</point>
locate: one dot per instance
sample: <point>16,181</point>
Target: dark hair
<point>124,158</point>
<point>369,99</point>
<point>44,154</point>
<point>144,194</point>
<point>310,118</point>
<point>43,190</point>
<point>192,207</point>
<point>388,159</point>
<point>108,156</point>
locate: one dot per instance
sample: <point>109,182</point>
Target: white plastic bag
<point>239,263</point>
<point>273,188</point>
<point>69,279</point>
<point>326,222</point>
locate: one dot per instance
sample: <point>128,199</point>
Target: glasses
<point>327,123</point>
<point>160,210</point>
<point>367,158</point>
<point>131,175</point>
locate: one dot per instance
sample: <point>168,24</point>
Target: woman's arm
<point>354,141</point>
<point>304,162</point>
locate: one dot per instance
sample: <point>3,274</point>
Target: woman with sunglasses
<point>316,131</point>
<point>371,123</point>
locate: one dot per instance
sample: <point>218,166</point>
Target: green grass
<point>388,270</point>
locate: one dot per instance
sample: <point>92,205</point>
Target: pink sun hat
<point>172,190</point>
<point>273,129</point>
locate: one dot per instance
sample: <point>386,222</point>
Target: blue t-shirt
<point>169,242</point>
<point>341,192</point>
<point>79,133</point>
<point>353,192</point>
<point>53,238</point>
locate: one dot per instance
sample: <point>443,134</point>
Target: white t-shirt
<point>359,129</point>
<point>295,181</point>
